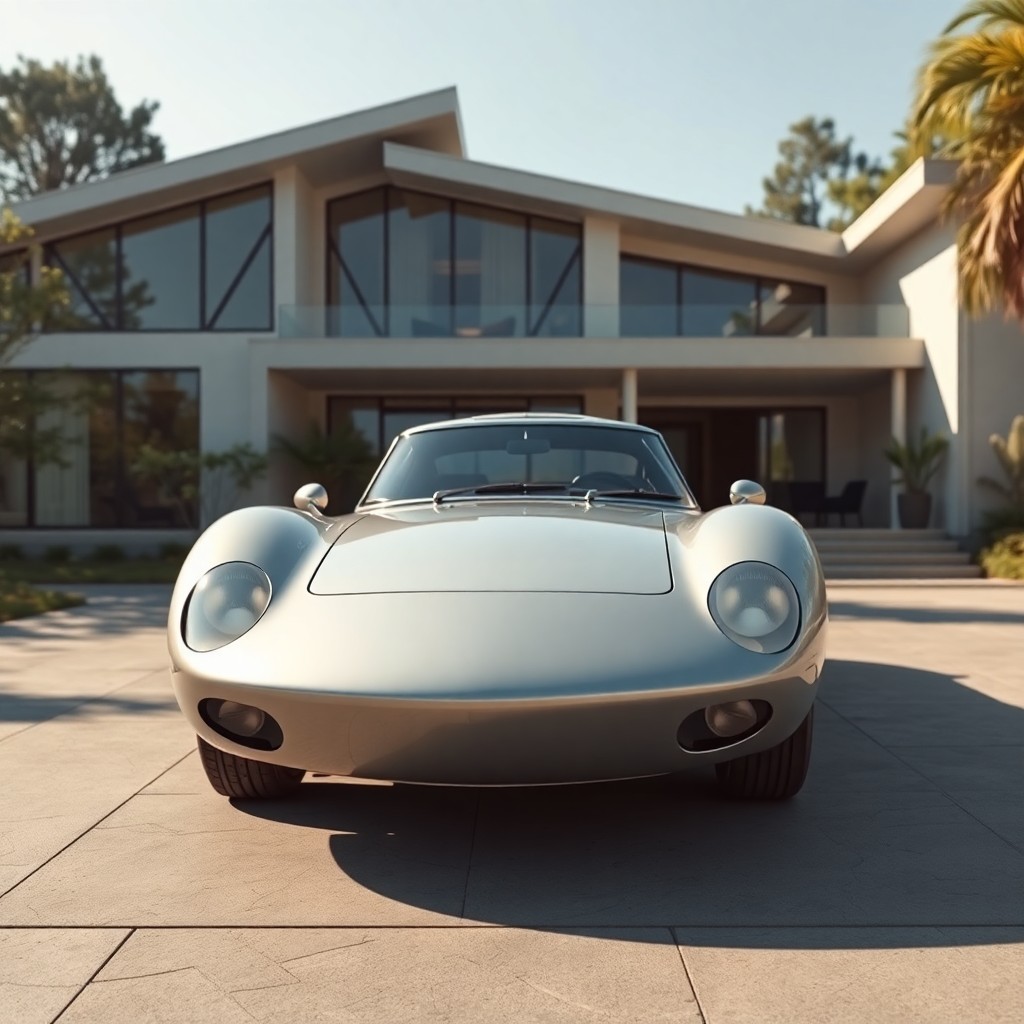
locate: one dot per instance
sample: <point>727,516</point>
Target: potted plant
<point>917,464</point>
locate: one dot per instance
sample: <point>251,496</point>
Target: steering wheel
<point>602,480</point>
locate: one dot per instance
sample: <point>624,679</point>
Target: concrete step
<point>898,572</point>
<point>873,557</point>
<point>891,554</point>
<point>854,533</point>
<point>894,548</point>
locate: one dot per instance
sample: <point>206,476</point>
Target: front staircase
<point>849,554</point>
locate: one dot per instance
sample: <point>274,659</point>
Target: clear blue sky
<point>685,99</point>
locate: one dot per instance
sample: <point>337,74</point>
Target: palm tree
<point>970,92</point>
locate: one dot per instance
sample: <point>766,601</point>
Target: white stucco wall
<point>922,273</point>
<point>994,391</point>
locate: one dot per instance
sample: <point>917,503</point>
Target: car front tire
<point>774,774</point>
<point>245,779</point>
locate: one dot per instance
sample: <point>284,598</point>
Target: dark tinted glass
<point>718,305</point>
<point>236,229</point>
<point>13,468</point>
<point>648,298</point>
<point>160,272</point>
<point>356,282</point>
<point>791,445</point>
<point>103,449</point>
<point>555,278</point>
<point>490,272</point>
<point>160,409</point>
<point>90,266</point>
<point>419,265</point>
<point>791,309</point>
<point>473,455</point>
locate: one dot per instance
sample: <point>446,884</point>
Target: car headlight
<point>227,602</point>
<point>755,605</point>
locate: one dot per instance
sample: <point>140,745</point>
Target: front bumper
<point>489,742</point>
<point>489,689</point>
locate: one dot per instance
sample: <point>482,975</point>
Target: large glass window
<point>356,287</point>
<point>718,305</point>
<point>419,265</point>
<point>490,271</point>
<point>89,263</point>
<point>556,279</point>
<point>660,299</point>
<point>105,424</point>
<point>790,309</point>
<point>205,266</point>
<point>239,262</point>
<point>406,264</point>
<point>648,299</point>
<point>159,279</point>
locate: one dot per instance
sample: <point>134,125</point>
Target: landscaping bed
<point>19,600</point>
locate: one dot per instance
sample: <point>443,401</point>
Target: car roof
<point>533,418</point>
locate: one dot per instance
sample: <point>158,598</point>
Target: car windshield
<point>571,458</point>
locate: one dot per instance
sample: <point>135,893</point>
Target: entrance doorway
<point>714,446</point>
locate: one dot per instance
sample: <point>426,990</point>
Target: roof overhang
<point>350,144</point>
<point>654,218</point>
<point>912,202</point>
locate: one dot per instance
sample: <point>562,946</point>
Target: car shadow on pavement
<point>911,818</point>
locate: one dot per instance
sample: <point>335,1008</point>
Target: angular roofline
<point>239,157</point>
<point>909,204</point>
<point>407,164</point>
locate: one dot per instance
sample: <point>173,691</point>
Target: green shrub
<point>1005,557</point>
<point>11,553</point>
<point>57,553</point>
<point>172,552</point>
<point>108,553</point>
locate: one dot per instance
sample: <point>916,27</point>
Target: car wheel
<point>242,777</point>
<point>773,774</point>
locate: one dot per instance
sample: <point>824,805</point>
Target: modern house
<point>364,274</point>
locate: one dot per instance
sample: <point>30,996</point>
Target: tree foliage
<point>819,179</point>
<point>822,181</point>
<point>25,401</point>
<point>63,125</point>
<point>971,91</point>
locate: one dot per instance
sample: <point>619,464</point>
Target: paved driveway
<point>891,889</point>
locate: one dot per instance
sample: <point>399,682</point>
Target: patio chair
<point>806,497</point>
<point>847,502</point>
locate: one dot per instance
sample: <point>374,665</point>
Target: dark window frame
<point>119,469</point>
<point>331,249</point>
<point>758,280</point>
<point>207,321</point>
<point>409,403</point>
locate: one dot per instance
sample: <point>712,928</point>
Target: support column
<point>629,395</point>
<point>600,278</point>
<point>898,424</point>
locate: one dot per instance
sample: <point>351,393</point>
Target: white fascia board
<point>409,165</point>
<point>911,202</point>
<point>256,154</point>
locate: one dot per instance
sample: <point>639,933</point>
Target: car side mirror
<point>746,492</point>
<point>311,498</point>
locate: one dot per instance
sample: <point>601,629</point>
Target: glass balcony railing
<point>690,320</point>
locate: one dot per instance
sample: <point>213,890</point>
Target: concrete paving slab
<point>42,969</point>
<point>189,857</point>
<point>393,975</point>
<point>66,774</point>
<point>850,976</point>
<point>640,854</point>
<point>986,781</point>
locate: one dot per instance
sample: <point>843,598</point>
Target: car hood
<point>508,546</point>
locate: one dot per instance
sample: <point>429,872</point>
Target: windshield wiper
<point>522,487</point>
<point>636,492</point>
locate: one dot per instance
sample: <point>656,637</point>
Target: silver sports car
<point>516,600</point>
